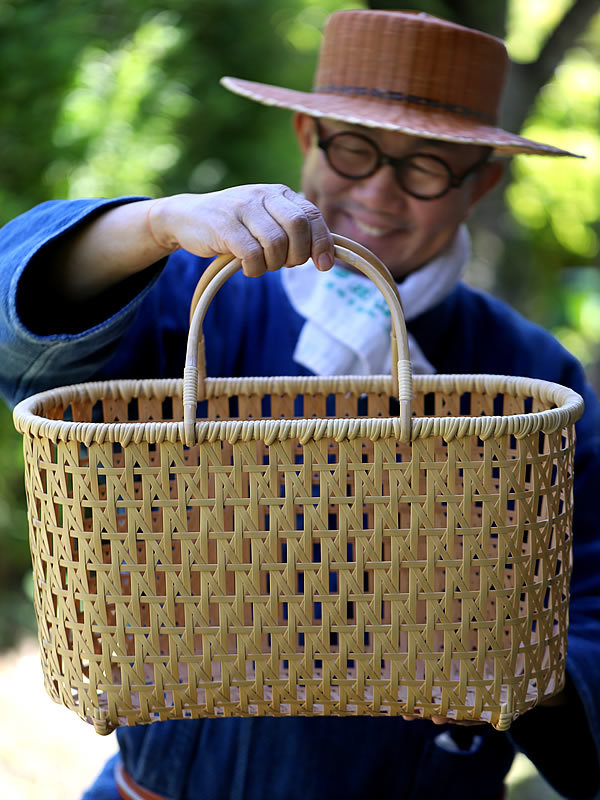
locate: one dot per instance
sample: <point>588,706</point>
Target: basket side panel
<point>350,577</point>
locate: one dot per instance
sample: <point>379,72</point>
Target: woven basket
<point>308,545</point>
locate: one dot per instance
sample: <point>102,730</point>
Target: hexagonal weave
<point>301,545</point>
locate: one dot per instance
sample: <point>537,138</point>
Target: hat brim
<point>375,113</point>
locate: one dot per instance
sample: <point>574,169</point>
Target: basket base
<point>188,700</point>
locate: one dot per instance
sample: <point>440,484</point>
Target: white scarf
<point>347,328</point>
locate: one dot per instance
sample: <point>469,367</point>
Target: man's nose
<point>381,188</point>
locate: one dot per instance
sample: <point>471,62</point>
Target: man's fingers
<point>322,251</point>
<point>292,218</point>
<point>308,235</point>
<point>242,244</point>
<point>271,237</point>
<point>321,242</point>
<point>266,226</point>
<point>289,229</point>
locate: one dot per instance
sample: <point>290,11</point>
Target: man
<point>396,139</point>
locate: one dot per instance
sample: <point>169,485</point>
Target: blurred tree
<point>127,98</point>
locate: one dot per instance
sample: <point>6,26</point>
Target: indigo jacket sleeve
<point>31,362</point>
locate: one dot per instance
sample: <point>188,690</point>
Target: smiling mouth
<point>374,230</point>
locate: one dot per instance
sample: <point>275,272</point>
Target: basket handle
<point>223,267</point>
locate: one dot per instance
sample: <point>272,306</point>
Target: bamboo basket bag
<point>308,545</point>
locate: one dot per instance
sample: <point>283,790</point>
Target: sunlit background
<point>109,98</point>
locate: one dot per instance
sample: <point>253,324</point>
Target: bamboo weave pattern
<point>301,545</point>
<point>299,572</point>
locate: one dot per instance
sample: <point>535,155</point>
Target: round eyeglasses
<point>423,176</point>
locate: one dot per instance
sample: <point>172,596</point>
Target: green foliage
<point>128,101</point>
<point>558,198</point>
<point>529,23</point>
<point>115,127</point>
<point>555,202</point>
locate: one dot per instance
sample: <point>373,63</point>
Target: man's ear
<point>304,127</point>
<point>485,180</point>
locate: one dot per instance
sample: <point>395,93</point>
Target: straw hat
<point>410,72</point>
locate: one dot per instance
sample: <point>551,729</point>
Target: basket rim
<point>29,420</point>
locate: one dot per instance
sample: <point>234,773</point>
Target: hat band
<point>414,99</point>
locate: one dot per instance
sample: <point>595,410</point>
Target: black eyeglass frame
<point>454,181</point>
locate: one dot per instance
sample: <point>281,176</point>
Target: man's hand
<point>266,226</point>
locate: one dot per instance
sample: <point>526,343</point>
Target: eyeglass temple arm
<point>458,180</point>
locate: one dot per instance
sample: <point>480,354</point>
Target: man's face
<point>403,231</point>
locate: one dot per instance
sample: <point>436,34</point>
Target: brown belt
<point>129,789</point>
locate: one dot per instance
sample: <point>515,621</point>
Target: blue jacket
<point>139,329</point>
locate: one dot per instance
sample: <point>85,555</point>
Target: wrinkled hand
<point>267,226</point>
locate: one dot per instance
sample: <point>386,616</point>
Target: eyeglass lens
<point>355,156</point>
